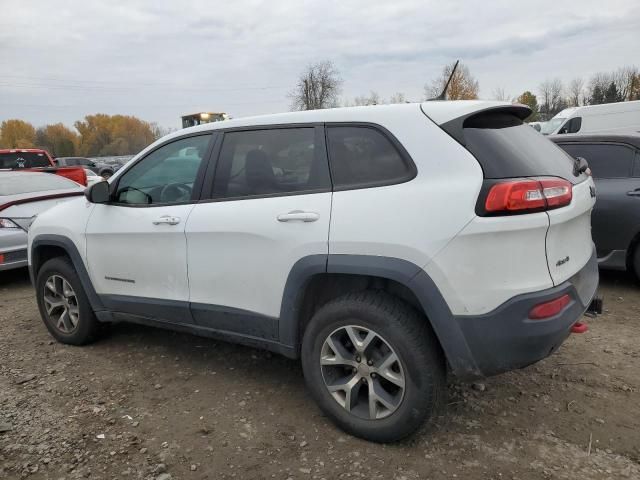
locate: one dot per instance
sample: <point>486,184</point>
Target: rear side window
<point>605,160</point>
<point>506,147</point>
<point>363,156</point>
<point>269,162</point>
<point>23,160</point>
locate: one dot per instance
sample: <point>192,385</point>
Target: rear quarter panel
<point>416,219</point>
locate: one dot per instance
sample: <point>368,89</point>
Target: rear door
<point>269,208</point>
<point>616,215</point>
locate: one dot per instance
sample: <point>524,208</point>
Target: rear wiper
<point>580,165</point>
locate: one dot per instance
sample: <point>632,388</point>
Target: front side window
<point>270,162</point>
<point>166,175</point>
<point>364,156</point>
<point>605,160</point>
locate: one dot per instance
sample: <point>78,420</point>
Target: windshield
<point>23,160</point>
<point>552,125</point>
<point>13,184</point>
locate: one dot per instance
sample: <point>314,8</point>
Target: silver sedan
<point>23,195</point>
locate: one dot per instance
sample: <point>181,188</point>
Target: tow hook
<point>594,309</point>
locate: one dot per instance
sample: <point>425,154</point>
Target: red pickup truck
<point>38,160</point>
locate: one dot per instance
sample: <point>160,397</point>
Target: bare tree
<point>576,94</point>
<point>500,95</point>
<point>623,78</point>
<point>372,99</point>
<point>318,87</point>
<point>398,97</point>
<point>552,99</point>
<point>462,87</point>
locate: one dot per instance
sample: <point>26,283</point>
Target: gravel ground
<point>151,404</point>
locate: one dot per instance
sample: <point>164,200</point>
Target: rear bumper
<point>506,339</point>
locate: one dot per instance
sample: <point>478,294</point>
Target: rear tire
<point>63,303</point>
<point>385,403</point>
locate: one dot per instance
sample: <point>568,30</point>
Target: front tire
<point>63,303</point>
<point>373,365</point>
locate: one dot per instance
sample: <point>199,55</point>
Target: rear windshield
<point>23,160</point>
<point>14,184</point>
<point>506,147</point>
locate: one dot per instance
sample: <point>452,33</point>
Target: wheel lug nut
<point>364,380</point>
<point>373,375</point>
<point>370,362</point>
<point>358,358</point>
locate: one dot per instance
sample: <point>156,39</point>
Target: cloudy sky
<point>61,60</point>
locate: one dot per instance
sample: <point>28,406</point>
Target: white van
<point>608,117</point>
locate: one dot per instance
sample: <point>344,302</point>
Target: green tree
<point>531,101</point>
<point>17,134</point>
<point>611,94</point>
<point>597,96</point>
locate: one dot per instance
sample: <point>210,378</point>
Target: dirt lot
<point>146,403</point>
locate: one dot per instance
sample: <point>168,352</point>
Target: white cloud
<point>158,60</point>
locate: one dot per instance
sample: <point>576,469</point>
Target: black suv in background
<point>105,170</point>
<point>615,163</point>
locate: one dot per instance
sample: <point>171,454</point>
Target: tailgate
<point>569,244</point>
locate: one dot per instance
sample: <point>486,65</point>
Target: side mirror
<point>98,192</point>
<point>92,164</point>
<point>55,161</point>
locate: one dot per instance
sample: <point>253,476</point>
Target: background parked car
<point>93,177</point>
<point>23,195</point>
<point>105,170</point>
<point>615,163</point>
<point>38,160</point>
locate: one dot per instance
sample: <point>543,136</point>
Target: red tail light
<point>549,309</point>
<point>528,195</point>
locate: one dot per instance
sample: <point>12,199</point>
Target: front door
<point>270,207</point>
<point>136,245</point>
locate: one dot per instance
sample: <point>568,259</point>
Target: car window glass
<point>166,175</point>
<point>364,156</point>
<point>605,160</point>
<point>270,161</point>
<point>23,160</point>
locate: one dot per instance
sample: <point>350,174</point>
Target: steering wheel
<point>175,192</point>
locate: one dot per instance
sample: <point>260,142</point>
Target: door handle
<point>634,193</point>
<point>167,220</point>
<point>298,215</point>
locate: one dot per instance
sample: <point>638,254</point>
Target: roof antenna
<point>443,95</point>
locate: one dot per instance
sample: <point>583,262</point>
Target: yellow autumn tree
<point>463,85</point>
<point>17,134</point>
<point>102,134</point>
<point>58,139</point>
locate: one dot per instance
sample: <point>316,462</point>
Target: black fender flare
<point>410,275</point>
<point>66,244</point>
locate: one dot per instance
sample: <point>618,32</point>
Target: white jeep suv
<point>384,246</point>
